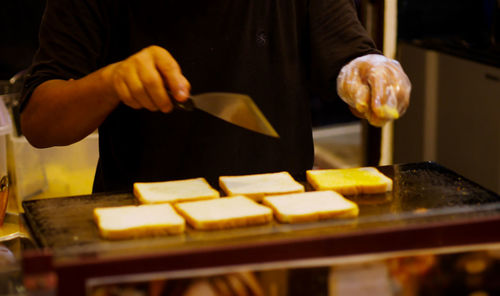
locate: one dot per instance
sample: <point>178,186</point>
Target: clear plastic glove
<point>375,87</point>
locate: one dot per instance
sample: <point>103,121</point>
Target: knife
<point>237,109</point>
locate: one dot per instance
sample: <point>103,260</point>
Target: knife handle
<point>185,106</point>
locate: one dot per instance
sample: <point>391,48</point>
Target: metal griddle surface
<point>423,193</point>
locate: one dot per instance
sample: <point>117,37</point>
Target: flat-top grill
<point>430,206</point>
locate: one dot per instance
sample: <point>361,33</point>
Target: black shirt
<point>276,51</point>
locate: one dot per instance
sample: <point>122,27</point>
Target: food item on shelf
<point>350,181</point>
<point>311,206</point>
<point>138,221</point>
<point>259,185</point>
<point>174,191</point>
<point>226,212</point>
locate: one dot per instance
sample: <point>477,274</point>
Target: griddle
<point>423,194</point>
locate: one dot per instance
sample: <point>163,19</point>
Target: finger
<point>403,93</point>
<point>383,97</point>
<point>370,116</point>
<point>171,73</point>
<point>401,85</point>
<point>137,91</point>
<point>356,113</point>
<point>361,98</point>
<point>353,90</point>
<point>154,87</point>
<point>403,100</point>
<point>377,121</point>
<point>125,95</point>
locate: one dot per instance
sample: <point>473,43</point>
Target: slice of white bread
<point>138,221</point>
<point>259,185</point>
<point>311,206</point>
<point>226,212</point>
<point>350,181</point>
<point>174,191</point>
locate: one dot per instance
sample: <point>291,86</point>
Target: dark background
<point>19,23</point>
<point>467,23</point>
<point>466,28</point>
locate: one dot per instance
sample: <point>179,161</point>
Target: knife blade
<point>237,109</point>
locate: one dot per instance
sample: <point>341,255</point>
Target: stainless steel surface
<point>238,109</point>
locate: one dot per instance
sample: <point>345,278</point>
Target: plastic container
<point>52,172</point>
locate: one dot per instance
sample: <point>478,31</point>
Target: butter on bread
<point>311,206</point>
<point>259,185</point>
<point>350,181</point>
<point>174,191</point>
<point>225,212</point>
<point>138,221</point>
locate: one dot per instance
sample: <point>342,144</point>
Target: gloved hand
<point>375,87</point>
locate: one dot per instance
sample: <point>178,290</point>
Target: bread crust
<point>230,223</point>
<point>140,190</point>
<point>314,214</point>
<point>140,232</point>
<point>145,230</point>
<point>265,216</point>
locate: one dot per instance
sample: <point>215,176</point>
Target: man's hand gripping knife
<point>375,87</point>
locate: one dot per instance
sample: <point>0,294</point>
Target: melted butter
<point>346,177</point>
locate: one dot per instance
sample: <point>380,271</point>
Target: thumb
<point>353,90</point>
<point>383,97</point>
<point>171,72</point>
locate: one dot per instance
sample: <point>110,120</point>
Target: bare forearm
<point>63,112</point>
